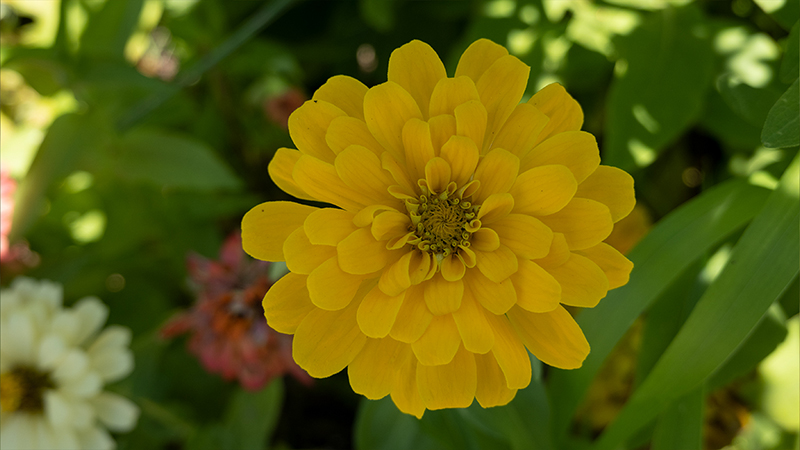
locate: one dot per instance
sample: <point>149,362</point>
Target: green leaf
<point>782,128</point>
<point>763,263</point>
<point>451,430</point>
<point>172,161</point>
<point>790,66</point>
<point>381,426</point>
<point>251,416</point>
<point>69,138</point>
<point>769,332</point>
<point>379,14</point>
<point>654,98</point>
<point>668,250</point>
<point>749,103</point>
<point>785,12</point>
<point>680,426</point>
<point>108,30</point>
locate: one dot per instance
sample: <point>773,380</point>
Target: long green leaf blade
<point>763,263</point>
<point>681,425</point>
<point>673,244</point>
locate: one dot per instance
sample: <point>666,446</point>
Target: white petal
<point>83,414</point>
<point>18,339</point>
<point>58,409</point>
<point>72,366</point>
<point>65,438</point>
<point>96,438</point>
<point>92,314</point>
<point>67,325</point>
<point>18,432</point>
<point>116,412</point>
<point>113,337</point>
<point>88,385</point>
<point>52,350</point>
<point>113,365</point>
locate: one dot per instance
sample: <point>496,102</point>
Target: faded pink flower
<point>228,331</point>
<point>280,107</point>
<point>7,188</point>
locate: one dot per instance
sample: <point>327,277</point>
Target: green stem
<point>257,21</point>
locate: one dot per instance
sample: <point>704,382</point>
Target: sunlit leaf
<point>763,263</point>
<point>661,78</point>
<point>782,128</point>
<point>108,30</point>
<point>671,246</point>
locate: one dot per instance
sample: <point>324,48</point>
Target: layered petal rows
<point>463,221</point>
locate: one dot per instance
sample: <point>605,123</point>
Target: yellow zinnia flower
<point>466,220</point>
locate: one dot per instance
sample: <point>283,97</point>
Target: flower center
<point>441,222</point>
<point>21,390</point>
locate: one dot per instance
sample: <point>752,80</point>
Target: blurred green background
<point>141,130</point>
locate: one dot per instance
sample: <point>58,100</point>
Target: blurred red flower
<point>228,331</point>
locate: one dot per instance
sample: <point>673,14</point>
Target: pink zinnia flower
<point>7,188</point>
<point>229,333</point>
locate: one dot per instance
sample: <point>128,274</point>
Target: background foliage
<point>140,130</point>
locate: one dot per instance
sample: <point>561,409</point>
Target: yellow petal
<point>437,174</point>
<point>405,393</point>
<point>495,208</point>
<point>266,227</point>
<point>330,287</point>
<point>613,263</point>
<point>582,282</point>
<point>471,120</point>
<point>345,131</point>
<point>280,170</point>
<point>577,150</point>
<point>439,343</point>
<point>420,266</point>
<point>497,265</point>
<point>450,93</point>
<point>485,240</point>
<point>387,108</point>
<point>374,371</point>
<point>510,353</point>
<point>302,256</point>
<point>417,68</point>
<point>378,312</point>
<point>453,269</point>
<point>308,125</point>
<point>361,254</point>
<point>389,224</point>
<point>537,290</point>
<point>413,317</point>
<point>361,170</point>
<point>491,390</point>
<point>475,331</point>
<point>418,147</point>
<point>448,386</point>
<point>495,297</point>
<point>559,252</point>
<point>521,131</point>
<point>442,127</point>
<point>345,92</point>
<point>321,181</point>
<point>501,88</point>
<point>366,216</point>
<point>612,187</point>
<point>564,112</point>
<point>327,341</point>
<point>328,226</point>
<point>396,279</point>
<point>553,337</point>
<point>584,223</point>
<point>400,176</point>
<point>287,303</point>
<point>497,172</point>
<point>478,57</point>
<point>525,235</point>
<point>462,157</point>
<point>442,296</point>
<point>543,190</point>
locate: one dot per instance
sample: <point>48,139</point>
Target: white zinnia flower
<point>53,365</point>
